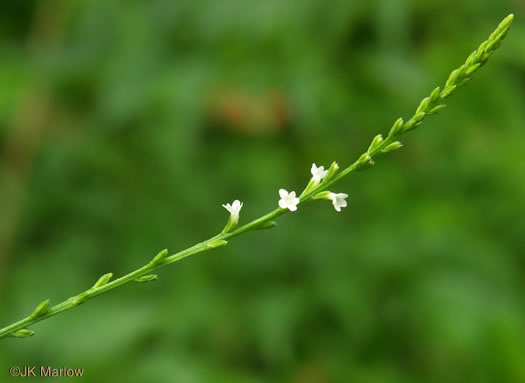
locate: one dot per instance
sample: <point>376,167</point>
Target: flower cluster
<point>289,200</point>
<point>319,174</point>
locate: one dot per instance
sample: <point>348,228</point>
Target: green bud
<point>41,309</point>
<point>414,122</point>
<point>396,128</point>
<point>311,185</point>
<point>480,52</point>
<point>423,106</point>
<point>80,298</point>
<point>435,94</point>
<point>393,146</point>
<point>452,78</point>
<point>436,109</point>
<point>411,125</point>
<point>160,257</point>
<point>322,195</point>
<point>493,45</point>
<point>448,91</point>
<point>23,333</point>
<point>375,143</point>
<point>334,168</point>
<point>471,69</point>
<point>103,280</point>
<point>483,45</point>
<point>464,80</point>
<point>364,162</point>
<point>471,58</point>
<point>146,278</point>
<point>267,225</point>
<point>484,58</point>
<point>217,243</point>
<point>418,117</point>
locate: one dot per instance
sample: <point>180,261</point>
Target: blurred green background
<point>124,125</point>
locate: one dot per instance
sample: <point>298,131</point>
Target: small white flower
<point>288,200</point>
<point>234,210</point>
<point>338,200</point>
<point>318,173</point>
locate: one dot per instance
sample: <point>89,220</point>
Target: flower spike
<point>317,189</point>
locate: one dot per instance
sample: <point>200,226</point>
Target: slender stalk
<point>429,106</point>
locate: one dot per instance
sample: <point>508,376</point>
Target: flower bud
<point>310,186</point>
<point>435,94</point>
<point>323,195</point>
<point>423,106</point>
<point>23,333</point>
<point>454,76</point>
<point>160,257</point>
<point>391,147</point>
<point>375,143</point>
<point>80,298</point>
<point>364,162</point>
<point>146,278</point>
<point>103,280</point>
<point>217,243</point>
<point>40,310</point>
<point>436,109</point>
<point>396,128</point>
<point>414,122</point>
<point>471,69</point>
<point>448,91</point>
<point>334,168</point>
<point>267,225</point>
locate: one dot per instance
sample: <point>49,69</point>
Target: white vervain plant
<point>317,188</point>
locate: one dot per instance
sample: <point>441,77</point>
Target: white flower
<point>234,210</point>
<point>338,200</point>
<point>318,173</point>
<point>288,200</point>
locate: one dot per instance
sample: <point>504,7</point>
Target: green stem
<point>428,106</point>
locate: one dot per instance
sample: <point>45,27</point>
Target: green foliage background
<point>125,124</point>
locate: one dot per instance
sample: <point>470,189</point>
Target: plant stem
<point>428,106</point>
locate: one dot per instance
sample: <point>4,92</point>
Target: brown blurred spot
<point>237,110</point>
<point>311,373</point>
<point>27,127</point>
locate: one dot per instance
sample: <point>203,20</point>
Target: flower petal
<point>283,193</point>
